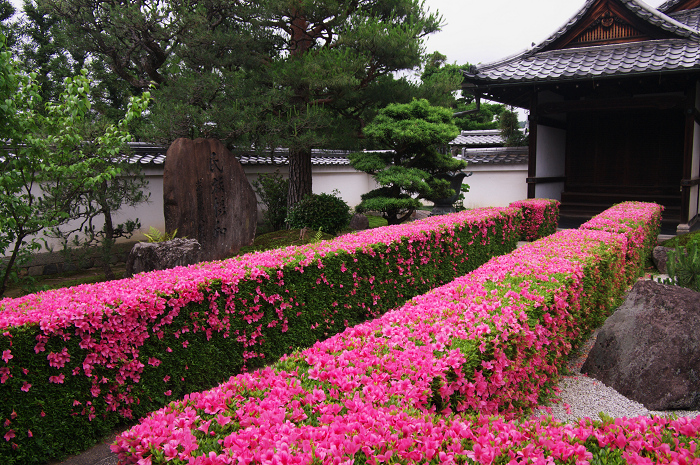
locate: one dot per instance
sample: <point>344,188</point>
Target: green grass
<point>682,240</point>
<point>376,221</point>
<point>283,238</point>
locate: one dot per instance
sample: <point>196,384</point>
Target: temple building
<point>613,100</point>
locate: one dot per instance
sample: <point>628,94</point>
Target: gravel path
<point>582,396</point>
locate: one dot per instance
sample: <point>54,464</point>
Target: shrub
<point>423,383</point>
<point>684,266</point>
<point>540,217</point>
<point>272,190</point>
<point>77,362</point>
<point>326,212</point>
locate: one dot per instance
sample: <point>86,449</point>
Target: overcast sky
<point>482,31</point>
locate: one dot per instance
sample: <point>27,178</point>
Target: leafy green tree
<point>272,189</point>
<point>440,84</point>
<point>510,129</point>
<point>411,164</point>
<point>273,73</point>
<point>93,207</point>
<point>44,166</point>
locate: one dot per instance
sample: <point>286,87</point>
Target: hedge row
<point>540,218</point>
<point>76,362</point>
<point>422,383</point>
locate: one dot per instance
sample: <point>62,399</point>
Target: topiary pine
<point>409,168</point>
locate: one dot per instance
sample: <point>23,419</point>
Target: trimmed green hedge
<point>77,362</point>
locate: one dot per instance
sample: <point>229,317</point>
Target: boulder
<point>660,257</point>
<point>359,222</point>
<point>649,349</point>
<point>150,256</point>
<point>206,196</point>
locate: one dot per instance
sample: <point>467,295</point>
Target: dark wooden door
<point>634,153</point>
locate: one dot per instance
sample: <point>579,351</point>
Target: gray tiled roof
<point>148,154</point>
<point>597,61</point>
<point>678,52</point>
<point>688,17</point>
<point>484,137</point>
<point>666,5</point>
<point>495,156</point>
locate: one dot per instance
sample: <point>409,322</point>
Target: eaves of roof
<point>147,154</point>
<point>647,57</point>
<point>677,53</point>
<point>487,137</point>
<point>495,156</point>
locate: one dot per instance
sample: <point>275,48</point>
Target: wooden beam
<point>688,153</point>
<point>551,122</point>
<point>544,180</point>
<point>656,102</point>
<point>532,149</point>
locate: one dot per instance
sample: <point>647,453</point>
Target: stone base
<point>436,211</point>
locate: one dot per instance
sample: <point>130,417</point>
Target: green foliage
<point>413,166</point>
<point>154,235</point>
<point>47,169</point>
<point>274,73</point>
<point>282,238</point>
<point>349,288</point>
<point>682,240</point>
<point>320,211</point>
<point>510,130</point>
<point>684,266</point>
<point>272,190</point>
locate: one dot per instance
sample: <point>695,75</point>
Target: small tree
<point>272,189</point>
<point>409,168</point>
<point>510,129</point>
<point>44,168</point>
<point>98,204</point>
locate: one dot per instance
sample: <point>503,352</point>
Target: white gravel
<point>582,396</point>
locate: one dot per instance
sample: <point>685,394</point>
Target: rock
<point>420,215</point>
<point>150,256</point>
<point>649,349</point>
<point>206,196</point>
<point>359,222</point>
<point>660,257</point>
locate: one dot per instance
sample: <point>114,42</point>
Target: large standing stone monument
<point>206,196</point>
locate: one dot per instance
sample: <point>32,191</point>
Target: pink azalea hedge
<point>78,361</point>
<point>422,383</point>
<point>639,223</point>
<point>540,218</point>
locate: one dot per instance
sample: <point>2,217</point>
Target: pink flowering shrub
<point>540,218</point>
<point>639,223</point>
<point>78,361</point>
<point>424,383</point>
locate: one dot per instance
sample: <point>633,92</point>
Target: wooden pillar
<point>688,155</point>
<point>532,149</point>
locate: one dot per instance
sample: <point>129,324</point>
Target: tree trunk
<point>299,175</point>
<point>10,264</point>
<point>107,244</point>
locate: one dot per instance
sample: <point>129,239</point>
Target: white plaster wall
<point>350,183</point>
<point>694,208</point>
<point>551,150</point>
<point>495,186</point>
<point>550,190</point>
<point>490,186</point>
